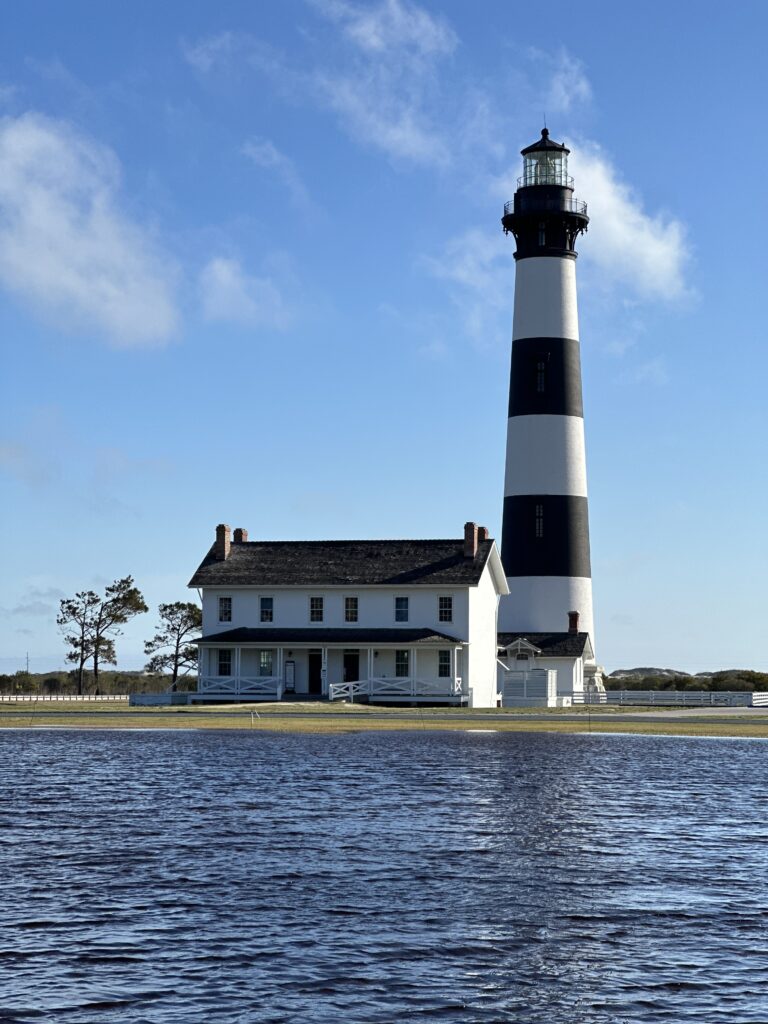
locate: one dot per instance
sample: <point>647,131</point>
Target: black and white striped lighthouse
<point>545,532</point>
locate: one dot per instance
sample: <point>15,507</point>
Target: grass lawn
<point>339,718</point>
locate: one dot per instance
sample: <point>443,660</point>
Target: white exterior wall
<point>570,672</point>
<point>545,298</point>
<point>545,455</point>
<point>376,608</point>
<point>480,656</point>
<point>528,608</point>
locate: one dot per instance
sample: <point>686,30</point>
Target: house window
<point>444,664</point>
<point>401,664</point>
<point>225,663</point>
<point>539,522</point>
<point>315,609</point>
<point>350,609</point>
<point>265,663</point>
<point>267,608</point>
<point>401,609</point>
<point>445,609</point>
<point>225,609</point>
<point>541,376</point>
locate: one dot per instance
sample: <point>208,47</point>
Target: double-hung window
<point>225,609</point>
<point>315,609</point>
<point>267,609</point>
<point>265,663</point>
<point>445,609</point>
<point>225,662</point>
<point>401,664</point>
<point>444,664</point>
<point>401,609</point>
<point>350,609</point>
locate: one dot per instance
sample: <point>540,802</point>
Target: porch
<point>413,666</point>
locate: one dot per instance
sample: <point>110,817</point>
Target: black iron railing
<point>539,177</point>
<point>530,204</point>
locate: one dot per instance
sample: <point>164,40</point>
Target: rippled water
<point>237,877</point>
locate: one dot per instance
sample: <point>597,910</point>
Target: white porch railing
<point>398,687</point>
<point>676,698</point>
<point>263,687</point>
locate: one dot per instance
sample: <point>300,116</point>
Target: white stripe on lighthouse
<point>545,298</point>
<point>545,455</point>
<point>540,604</point>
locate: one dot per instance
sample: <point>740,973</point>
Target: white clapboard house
<point>398,621</point>
<point>546,669</point>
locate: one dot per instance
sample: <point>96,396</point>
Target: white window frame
<point>441,664</point>
<point>356,599</point>
<point>449,598</point>
<point>266,670</point>
<point>316,597</point>
<point>406,654</point>
<point>224,651</point>
<point>406,598</point>
<point>224,597</point>
<point>266,597</point>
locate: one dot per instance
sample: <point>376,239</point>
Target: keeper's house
<point>398,621</point>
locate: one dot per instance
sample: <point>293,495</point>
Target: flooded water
<point>246,876</point>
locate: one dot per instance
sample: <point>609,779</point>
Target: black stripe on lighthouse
<point>545,535</point>
<point>545,377</point>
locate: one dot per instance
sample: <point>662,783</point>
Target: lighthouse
<point>545,530</point>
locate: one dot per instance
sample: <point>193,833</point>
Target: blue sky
<point>252,271</point>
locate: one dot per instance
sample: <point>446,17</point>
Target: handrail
<point>539,178</point>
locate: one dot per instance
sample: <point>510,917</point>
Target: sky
<point>252,271</point>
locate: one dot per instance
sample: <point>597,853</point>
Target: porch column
<point>414,669</point>
<point>237,659</point>
<point>324,672</point>
<point>455,672</point>
<point>370,663</point>
<point>280,663</point>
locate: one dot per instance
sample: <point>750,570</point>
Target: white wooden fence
<point>398,688</point>
<point>676,698</point>
<point>10,698</point>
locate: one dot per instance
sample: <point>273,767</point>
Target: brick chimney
<point>470,540</point>
<point>573,622</point>
<point>222,542</point>
<point>482,533</point>
<point>241,535</point>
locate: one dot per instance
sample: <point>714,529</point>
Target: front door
<point>315,671</point>
<point>351,666</point>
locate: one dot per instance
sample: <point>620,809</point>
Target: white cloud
<point>646,253</point>
<point>479,267</point>
<point>208,52</point>
<point>391,25</point>
<point>228,294</point>
<point>568,85</point>
<point>65,245</point>
<point>265,154</point>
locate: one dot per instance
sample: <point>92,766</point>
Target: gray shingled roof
<point>308,635</point>
<point>551,645</point>
<point>331,563</point>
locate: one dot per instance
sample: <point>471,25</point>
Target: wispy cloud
<point>390,25</point>
<point>646,253</point>
<point>478,267</point>
<point>265,154</point>
<point>66,247</point>
<point>229,294</point>
<point>568,85</point>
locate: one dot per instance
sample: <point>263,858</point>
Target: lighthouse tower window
<point>539,522</point>
<point>541,378</point>
<point>542,234</point>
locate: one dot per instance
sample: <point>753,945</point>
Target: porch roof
<point>551,645</point>
<point>351,637</point>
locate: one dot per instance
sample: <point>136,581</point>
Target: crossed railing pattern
<point>397,686</point>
